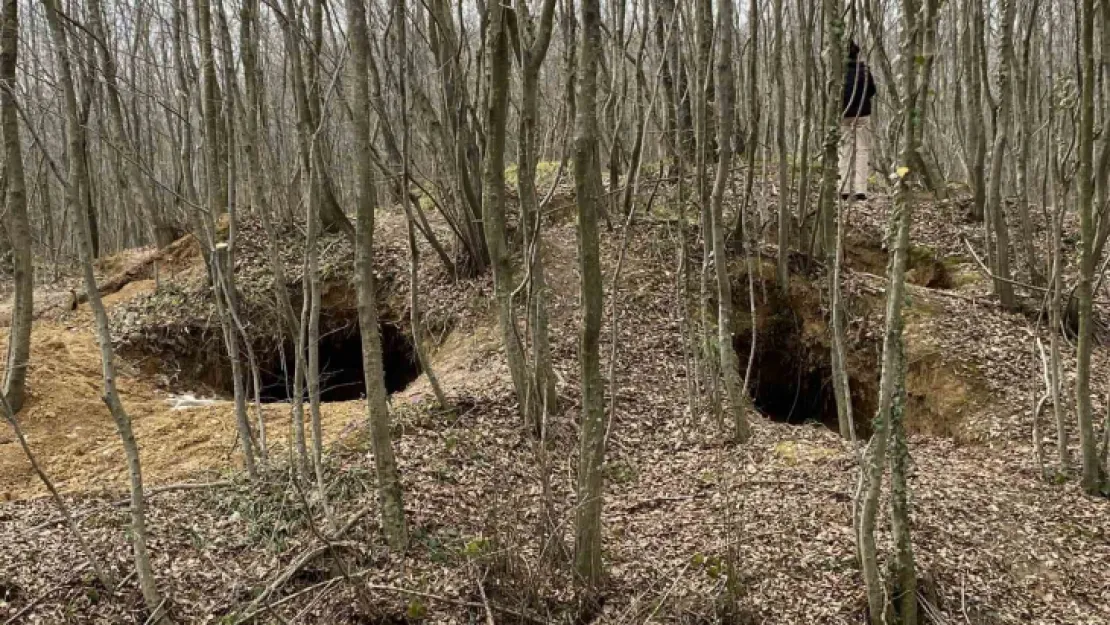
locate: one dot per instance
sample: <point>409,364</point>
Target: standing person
<point>855,127</point>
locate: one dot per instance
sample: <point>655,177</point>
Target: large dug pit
<point>791,375</point>
<point>342,376</point>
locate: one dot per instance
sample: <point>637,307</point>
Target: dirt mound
<point>69,427</point>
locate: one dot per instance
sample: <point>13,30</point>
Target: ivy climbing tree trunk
<point>892,381</point>
<point>828,209</point>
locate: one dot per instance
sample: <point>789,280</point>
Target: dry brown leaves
<point>684,509</point>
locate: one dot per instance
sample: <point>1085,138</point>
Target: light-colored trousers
<point>855,154</point>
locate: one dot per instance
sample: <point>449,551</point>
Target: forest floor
<point>697,530</point>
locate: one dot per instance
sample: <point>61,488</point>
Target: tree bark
<point>1003,285</point>
<point>892,380</point>
<point>389,479</point>
<point>78,210</point>
<point>974,109</point>
<point>1087,259</point>
<point>726,114</point>
<point>533,53</point>
<point>19,227</point>
<point>411,207</point>
<point>785,221</point>
<point>493,212</point>
<point>587,185</point>
<point>828,208</point>
<point>218,195</point>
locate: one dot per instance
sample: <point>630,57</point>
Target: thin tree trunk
<point>806,22</point>
<point>311,295</point>
<point>19,227</point>
<point>1087,260</point>
<point>1025,102</point>
<point>892,380</point>
<point>783,274</point>
<point>250,144</point>
<point>533,53</point>
<point>218,191</point>
<point>975,109</point>
<point>1056,327</point>
<point>831,222</point>
<point>587,184</point>
<point>75,174</point>
<point>415,319</point>
<point>726,114</point>
<point>389,480</point>
<point>493,212</point>
<point>1003,286</point>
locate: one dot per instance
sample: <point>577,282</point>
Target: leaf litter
<point>685,511</point>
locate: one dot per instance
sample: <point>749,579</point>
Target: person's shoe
<point>860,197</point>
<point>844,196</point>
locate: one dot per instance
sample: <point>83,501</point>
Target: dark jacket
<point>859,88</point>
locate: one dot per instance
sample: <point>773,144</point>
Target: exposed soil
<point>995,542</point>
<point>72,433</point>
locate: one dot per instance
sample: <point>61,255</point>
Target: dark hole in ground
<point>341,371</point>
<point>792,379</point>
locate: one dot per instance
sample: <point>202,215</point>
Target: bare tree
<point>19,336</point>
<point>389,479</point>
<point>892,391</point>
<point>996,212</point>
<point>76,181</point>
<point>730,365</point>
<point>493,210</point>
<point>534,40</point>
<point>832,220</point>
<point>1087,249</point>
<point>412,207</point>
<point>217,189</point>
<point>785,221</point>
<point>587,185</point>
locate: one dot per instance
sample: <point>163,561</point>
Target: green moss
<point>920,308</point>
<point>545,171</point>
<point>512,175</point>
<point>963,274</point>
<point>545,174</point>
<point>919,253</point>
